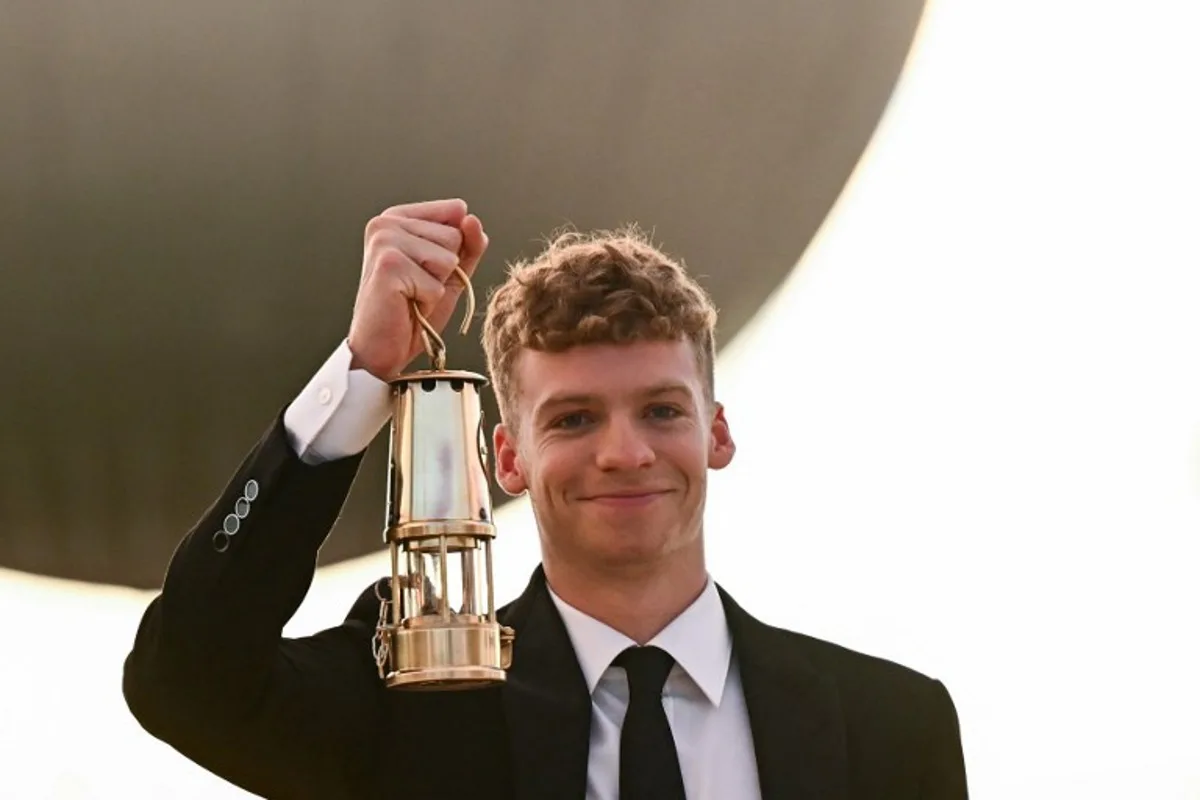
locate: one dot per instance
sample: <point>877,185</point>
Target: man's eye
<point>571,420</point>
<point>664,412</point>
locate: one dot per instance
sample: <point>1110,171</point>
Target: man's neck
<point>638,602</point>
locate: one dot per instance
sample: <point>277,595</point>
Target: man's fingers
<point>433,258</point>
<point>448,236</point>
<point>448,212</point>
<point>474,243</point>
<point>402,275</point>
<point>411,254</point>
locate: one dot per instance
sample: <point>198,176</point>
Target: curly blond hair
<point>592,288</point>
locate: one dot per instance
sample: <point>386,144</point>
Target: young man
<point>633,676</point>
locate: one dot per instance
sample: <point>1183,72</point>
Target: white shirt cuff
<point>339,412</point>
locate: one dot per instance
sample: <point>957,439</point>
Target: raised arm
<point>210,672</point>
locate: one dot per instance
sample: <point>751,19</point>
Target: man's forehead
<point>607,371</point>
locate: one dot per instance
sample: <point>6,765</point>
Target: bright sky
<point>968,428</point>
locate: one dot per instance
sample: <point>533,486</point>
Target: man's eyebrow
<point>667,387</point>
<point>566,398</point>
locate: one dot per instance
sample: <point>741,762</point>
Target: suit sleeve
<point>210,673</point>
<point>944,775</point>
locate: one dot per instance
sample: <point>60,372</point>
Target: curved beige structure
<point>184,190</point>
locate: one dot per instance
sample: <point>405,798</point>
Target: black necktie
<point>649,763</point>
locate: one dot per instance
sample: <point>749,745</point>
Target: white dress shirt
<point>340,411</point>
<point>702,697</point>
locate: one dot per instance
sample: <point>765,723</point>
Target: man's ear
<point>508,463</point>
<point>720,441</point>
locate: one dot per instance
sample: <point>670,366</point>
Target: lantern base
<point>448,679</point>
<point>448,656</point>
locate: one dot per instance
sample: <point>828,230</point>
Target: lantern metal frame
<point>438,510</point>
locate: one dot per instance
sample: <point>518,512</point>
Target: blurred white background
<point>968,429</point>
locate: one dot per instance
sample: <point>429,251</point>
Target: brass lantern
<point>438,629</point>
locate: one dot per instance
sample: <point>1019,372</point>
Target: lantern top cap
<point>438,375</point>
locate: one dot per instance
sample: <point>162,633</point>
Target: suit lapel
<point>546,702</point>
<point>795,714</point>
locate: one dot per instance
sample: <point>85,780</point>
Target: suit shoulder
<point>832,653</point>
<point>858,674</point>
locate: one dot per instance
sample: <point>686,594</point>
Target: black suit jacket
<point>297,718</point>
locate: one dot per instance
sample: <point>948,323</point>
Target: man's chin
<point>629,551</point>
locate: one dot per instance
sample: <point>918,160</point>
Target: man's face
<point>613,444</point>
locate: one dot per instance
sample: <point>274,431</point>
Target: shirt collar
<point>698,639</point>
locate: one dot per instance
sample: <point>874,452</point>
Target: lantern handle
<point>435,346</point>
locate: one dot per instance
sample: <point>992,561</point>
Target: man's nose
<point>623,446</point>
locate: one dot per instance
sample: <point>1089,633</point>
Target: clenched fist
<point>409,253</point>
